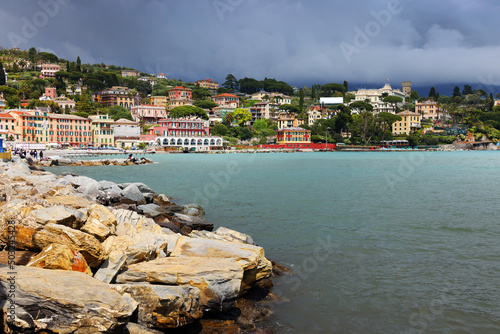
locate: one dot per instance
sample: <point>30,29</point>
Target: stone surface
<point>59,215</point>
<point>194,223</point>
<point>100,223</point>
<point>72,201</point>
<point>219,280</point>
<point>57,256</point>
<point>134,253</point>
<point>63,302</point>
<point>162,306</point>
<point>21,258</point>
<point>251,258</point>
<point>133,328</point>
<point>133,193</point>
<point>234,236</point>
<point>79,241</point>
<point>113,264</point>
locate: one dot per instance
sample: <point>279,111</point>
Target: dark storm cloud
<point>301,42</point>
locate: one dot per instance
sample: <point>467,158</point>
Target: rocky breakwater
<point>100,162</point>
<point>82,256</point>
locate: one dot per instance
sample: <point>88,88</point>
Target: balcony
<point>415,125</point>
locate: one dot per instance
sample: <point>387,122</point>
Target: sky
<point>367,42</point>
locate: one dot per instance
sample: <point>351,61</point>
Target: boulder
<point>79,241</point>
<point>21,258</point>
<point>113,264</point>
<point>57,256</point>
<point>134,253</point>
<point>194,210</point>
<point>140,186</point>
<point>69,200</point>
<point>133,328</point>
<point>219,280</point>
<point>63,302</point>
<point>131,223</point>
<point>192,222</point>
<point>251,258</point>
<point>162,306</point>
<point>100,223</point>
<point>234,236</point>
<point>161,199</point>
<point>133,193</point>
<point>59,215</point>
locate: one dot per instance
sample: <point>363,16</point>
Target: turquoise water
<point>382,242</point>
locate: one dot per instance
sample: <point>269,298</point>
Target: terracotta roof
<point>226,95</point>
<point>408,113</point>
<point>6,115</point>
<point>295,129</point>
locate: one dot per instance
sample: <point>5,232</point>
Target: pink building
<point>226,100</point>
<point>148,113</point>
<point>49,70</point>
<point>50,93</point>
<point>180,93</point>
<point>180,128</point>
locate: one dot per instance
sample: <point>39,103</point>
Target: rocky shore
<point>82,256</point>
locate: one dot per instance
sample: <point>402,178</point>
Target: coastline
<point>116,233</point>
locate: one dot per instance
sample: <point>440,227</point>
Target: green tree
<point>231,83</point>
<point>456,92</point>
<point>393,101</point>
<point>385,120</point>
<point>343,119</point>
<point>219,129</point>
<point>117,112</point>
<point>32,53</point>
<point>361,106</point>
<point>242,116</point>
<point>186,111</point>
<point>365,125</point>
<point>301,100</point>
<point>228,119</point>
<point>78,64</point>
<point>205,104</point>
<point>331,88</point>
<point>201,93</point>
<point>467,90</point>
<point>346,86</point>
<point>289,108</point>
<point>433,94</point>
<point>84,105</point>
<point>2,75</point>
<point>414,95</point>
<point>260,125</point>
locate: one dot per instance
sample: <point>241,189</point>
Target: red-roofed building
<point>49,70</point>
<point>226,100</point>
<point>8,127</point>
<point>180,93</point>
<point>148,113</point>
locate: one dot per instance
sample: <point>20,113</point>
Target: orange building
<point>207,83</point>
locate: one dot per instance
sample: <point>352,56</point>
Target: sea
<point>378,242</point>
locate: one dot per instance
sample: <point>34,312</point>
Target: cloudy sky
<point>301,42</point>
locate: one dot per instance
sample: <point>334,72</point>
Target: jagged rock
<point>21,258</point>
<point>193,210</point>
<point>151,209</point>
<point>130,223</point>
<point>194,223</point>
<point>100,223</point>
<point>234,236</point>
<point>219,280</point>
<point>59,215</point>
<point>133,193</point>
<point>56,301</point>
<point>161,199</point>
<point>164,307</point>
<point>251,258</point>
<point>134,253</point>
<point>79,241</point>
<point>113,264</point>
<point>79,181</point>
<point>141,186</point>
<point>58,256</point>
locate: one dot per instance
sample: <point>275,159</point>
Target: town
<point>48,102</point>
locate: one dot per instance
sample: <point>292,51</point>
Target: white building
<point>376,96</point>
<point>191,143</point>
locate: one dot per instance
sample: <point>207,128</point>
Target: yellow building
<point>102,130</point>
<point>429,110</point>
<point>410,122</point>
<point>288,120</point>
<point>160,101</point>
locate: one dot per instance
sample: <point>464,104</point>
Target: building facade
<point>293,136</point>
<point>207,83</point>
<point>410,122</point>
<point>180,93</point>
<point>181,128</point>
<point>130,73</point>
<point>288,120</point>
<point>147,113</point>
<point>260,110</point>
<point>429,110</point>
<point>102,130</point>
<point>49,70</point>
<point>226,100</point>
<point>160,101</point>
<point>115,96</point>
<point>376,96</point>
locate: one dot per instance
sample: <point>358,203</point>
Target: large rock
<point>133,193</point>
<point>134,253</point>
<point>59,215</point>
<point>108,270</point>
<point>191,222</point>
<point>79,241</point>
<point>251,258</point>
<point>100,223</point>
<point>130,223</point>
<point>219,280</point>
<point>69,200</point>
<point>57,256</point>
<point>162,306</point>
<point>234,236</point>
<point>62,302</point>
<point>133,328</point>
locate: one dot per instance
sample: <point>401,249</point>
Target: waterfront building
<point>376,97</point>
<point>34,126</point>
<point>180,127</point>
<point>49,70</point>
<point>429,110</point>
<point>293,136</point>
<point>126,132</point>
<point>410,122</point>
<point>8,127</point>
<point>102,130</point>
<point>149,114</point>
